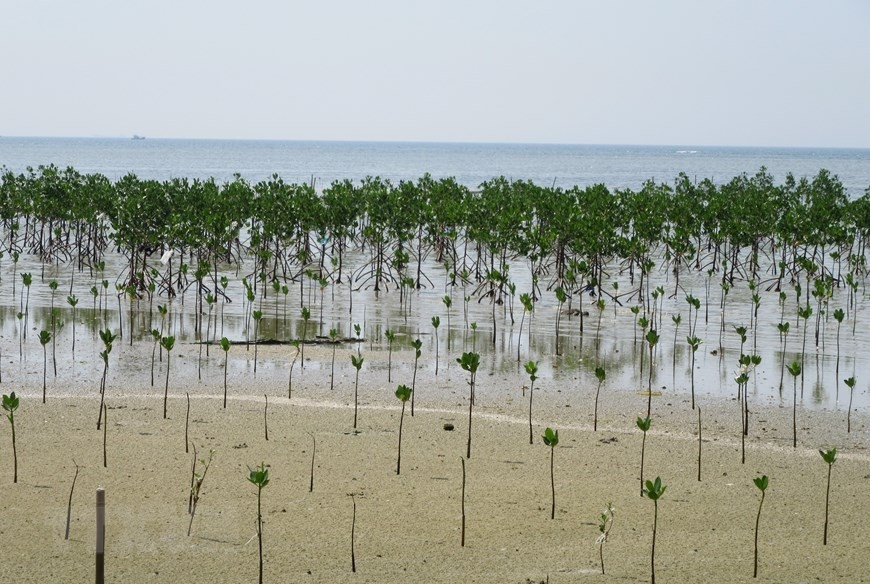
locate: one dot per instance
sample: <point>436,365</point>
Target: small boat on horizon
<point>138,137</point>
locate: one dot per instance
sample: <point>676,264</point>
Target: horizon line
<point>433,142</point>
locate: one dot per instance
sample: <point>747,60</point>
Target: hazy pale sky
<point>717,72</point>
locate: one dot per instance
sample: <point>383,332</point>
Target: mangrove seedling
<point>306,316</point>
<point>391,336</point>
<point>654,491</point>
<point>73,301</point>
<point>44,339</point>
<point>225,345</point>
<point>783,328</point>
<point>10,404</point>
<point>551,439</point>
<point>526,301</point>
<point>652,337</point>
<point>108,338</point>
<point>313,453</point>
<point>258,316</point>
<point>259,477</point>
<point>187,424</point>
<point>694,343</point>
<point>448,302</point>
<point>357,362</point>
<point>418,346</point>
<point>167,343</point>
<point>830,457</point>
<point>196,488</point>
<point>266,417</point>
<point>436,321</point>
<point>470,362</point>
<point>794,369</point>
<point>69,502</point>
<point>27,278</point>
<point>643,424</point>
<point>403,392</point>
<point>532,370</point>
<point>105,434</point>
<point>760,482</point>
<point>333,338</point>
<point>605,524</point>
<point>838,316</point>
<point>850,383</point>
<point>296,343</point>
<point>601,375</point>
<point>353,535</point>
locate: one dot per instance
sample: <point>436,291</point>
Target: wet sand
<point>408,526</point>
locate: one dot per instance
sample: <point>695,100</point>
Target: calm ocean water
<point>470,164</point>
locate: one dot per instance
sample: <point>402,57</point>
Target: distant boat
<point>138,137</point>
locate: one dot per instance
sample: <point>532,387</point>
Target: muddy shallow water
<point>610,339</point>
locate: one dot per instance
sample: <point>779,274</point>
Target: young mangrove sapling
<point>403,392</point>
<point>551,439</point>
<point>605,524</point>
<point>830,457</point>
<point>532,370</point>
<point>654,491</point>
<point>259,477</point>
<point>643,424</point>
<point>10,404</point>
<point>470,362</point>
<point>167,343</point>
<point>760,482</point>
<point>601,375</point>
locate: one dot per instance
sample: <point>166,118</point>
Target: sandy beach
<point>408,526</point>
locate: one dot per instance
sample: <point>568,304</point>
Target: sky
<point>718,72</point>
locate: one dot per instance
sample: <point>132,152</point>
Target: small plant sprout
<point>333,338</point>
<point>73,301</point>
<point>266,416</point>
<point>108,338</point>
<point>795,370</point>
<point>10,404</point>
<point>296,344</point>
<point>403,392</point>
<point>44,339</point>
<point>306,316</point>
<point>605,524</point>
<point>654,491</point>
<point>830,457</point>
<point>69,501</point>
<point>694,343</point>
<point>448,302</point>
<point>551,439</point>
<point>526,301</point>
<point>390,336</point>
<point>760,482</point>
<point>418,350</point>
<point>532,370</point>
<point>258,316</point>
<point>196,488</point>
<point>357,361</point>
<point>353,535</point>
<point>225,345</point>
<point>436,321</point>
<point>259,477</point>
<point>167,343</point>
<point>313,453</point>
<point>643,424</point>
<point>601,375</point>
<point>470,362</point>
<point>652,338</point>
<point>850,383</point>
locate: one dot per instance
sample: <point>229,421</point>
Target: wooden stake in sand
<point>101,535</point>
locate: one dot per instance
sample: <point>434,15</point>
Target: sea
<point>561,165</point>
